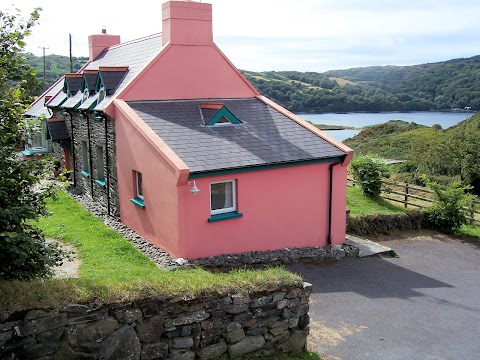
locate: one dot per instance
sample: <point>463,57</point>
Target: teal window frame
<point>139,198</point>
<point>223,113</point>
<point>225,216</point>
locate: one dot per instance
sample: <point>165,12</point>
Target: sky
<point>260,35</point>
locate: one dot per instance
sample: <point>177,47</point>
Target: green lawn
<point>359,204</point>
<point>112,269</point>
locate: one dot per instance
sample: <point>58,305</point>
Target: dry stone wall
<point>227,327</point>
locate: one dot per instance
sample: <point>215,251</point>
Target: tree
<point>24,254</point>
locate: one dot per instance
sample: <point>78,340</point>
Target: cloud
<point>303,35</point>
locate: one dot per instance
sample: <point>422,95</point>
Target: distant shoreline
<point>333,127</point>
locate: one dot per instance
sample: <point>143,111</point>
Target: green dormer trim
<point>223,116</point>
<point>84,85</point>
<point>99,83</point>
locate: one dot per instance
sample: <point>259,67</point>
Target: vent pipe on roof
<point>100,42</point>
<point>187,23</point>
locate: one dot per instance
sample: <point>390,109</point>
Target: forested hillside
<point>453,83</point>
<point>55,66</point>
<point>443,85</point>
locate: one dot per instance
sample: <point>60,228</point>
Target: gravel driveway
<point>423,305</point>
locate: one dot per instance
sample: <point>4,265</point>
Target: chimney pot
<point>100,42</point>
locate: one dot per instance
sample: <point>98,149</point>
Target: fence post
<point>406,195</point>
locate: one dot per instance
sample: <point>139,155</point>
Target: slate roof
<point>73,101</point>
<point>89,103</point>
<point>264,137</point>
<point>134,54</point>
<point>58,100</point>
<point>58,130</point>
<point>111,79</point>
<point>38,107</point>
<point>91,79</point>
<point>73,84</point>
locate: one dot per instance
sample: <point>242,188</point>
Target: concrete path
<point>367,247</point>
<point>423,305</point>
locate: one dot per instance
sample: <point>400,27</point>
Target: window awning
<point>58,129</point>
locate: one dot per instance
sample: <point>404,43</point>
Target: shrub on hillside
<point>368,174</point>
<point>451,206</point>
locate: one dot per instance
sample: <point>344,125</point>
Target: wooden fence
<point>415,196</point>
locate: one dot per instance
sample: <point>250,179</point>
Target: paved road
<point>423,305</point>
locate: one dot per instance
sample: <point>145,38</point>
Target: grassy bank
<point>113,270</point>
<point>359,204</point>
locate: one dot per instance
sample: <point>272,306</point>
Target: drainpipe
<point>73,149</point>
<point>107,165</point>
<point>330,202</point>
<point>90,154</point>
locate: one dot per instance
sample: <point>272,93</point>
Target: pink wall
<point>158,221</point>
<point>285,207</point>
<point>189,72</point>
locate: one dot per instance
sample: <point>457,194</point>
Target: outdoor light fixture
<point>194,190</point>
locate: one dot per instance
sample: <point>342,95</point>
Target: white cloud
<point>302,35</point>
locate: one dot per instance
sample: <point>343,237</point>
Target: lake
<point>359,120</point>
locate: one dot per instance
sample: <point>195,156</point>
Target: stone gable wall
<point>227,327</point>
<point>83,184</point>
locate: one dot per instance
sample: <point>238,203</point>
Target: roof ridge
<point>148,37</point>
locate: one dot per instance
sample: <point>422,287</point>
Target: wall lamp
<point>194,190</point>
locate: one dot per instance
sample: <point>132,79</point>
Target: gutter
<point>330,201</point>
<point>107,165</point>
<point>73,149</point>
<point>90,154</point>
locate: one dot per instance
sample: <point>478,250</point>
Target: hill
<point>392,140</point>
<point>454,152</point>
<point>55,66</point>
<point>448,84</point>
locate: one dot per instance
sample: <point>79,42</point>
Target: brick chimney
<point>187,23</point>
<point>100,42</point>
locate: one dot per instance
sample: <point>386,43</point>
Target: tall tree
<point>24,254</point>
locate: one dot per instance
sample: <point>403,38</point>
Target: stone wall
<point>227,327</point>
<point>87,184</point>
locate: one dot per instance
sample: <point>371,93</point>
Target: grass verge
<point>113,270</point>
<point>359,204</point>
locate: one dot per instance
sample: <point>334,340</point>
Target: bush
<point>451,205</point>
<point>368,173</point>
<point>385,223</point>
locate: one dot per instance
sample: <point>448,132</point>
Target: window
<point>222,197</point>
<point>86,95</point>
<point>138,189</point>
<point>37,136</point>
<point>85,170</point>
<point>101,94</point>
<point>139,185</point>
<point>100,166</point>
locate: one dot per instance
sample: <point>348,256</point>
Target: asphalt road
<point>423,305</point>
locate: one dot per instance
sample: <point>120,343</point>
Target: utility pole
<point>70,47</point>
<point>44,77</point>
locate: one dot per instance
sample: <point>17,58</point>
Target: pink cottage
<point>166,133</point>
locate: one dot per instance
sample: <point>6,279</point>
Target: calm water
<point>358,120</point>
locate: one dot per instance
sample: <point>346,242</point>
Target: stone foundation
<point>223,327</point>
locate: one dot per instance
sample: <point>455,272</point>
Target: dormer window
<point>216,114</point>
<point>86,95</point>
<point>101,94</point>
